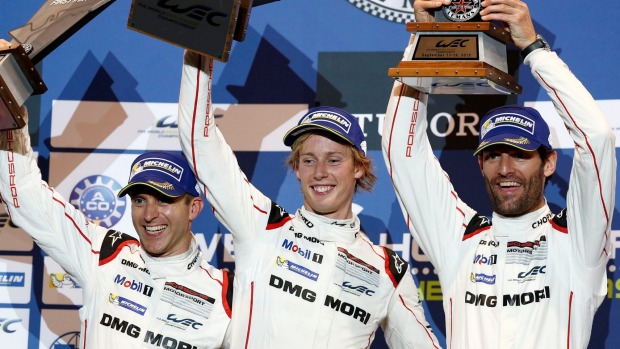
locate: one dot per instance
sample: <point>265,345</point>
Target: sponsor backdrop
<point>113,92</point>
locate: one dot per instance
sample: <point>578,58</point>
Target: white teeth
<point>155,229</point>
<point>508,184</point>
<point>322,188</point>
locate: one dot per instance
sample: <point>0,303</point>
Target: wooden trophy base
<point>457,58</point>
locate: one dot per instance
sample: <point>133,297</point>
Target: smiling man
<point>164,202</point>
<point>137,292</point>
<point>153,292</point>
<point>528,277</point>
<point>515,157</point>
<point>308,280</point>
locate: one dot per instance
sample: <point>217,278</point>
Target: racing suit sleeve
<point>405,325</point>
<point>61,230</point>
<point>236,202</point>
<point>592,186</point>
<point>434,213</point>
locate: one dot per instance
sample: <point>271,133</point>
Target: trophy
<point>204,26</point>
<point>458,54</point>
<point>50,26</point>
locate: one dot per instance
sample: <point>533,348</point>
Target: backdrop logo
<point>166,127</point>
<point>5,325</point>
<point>62,280</point>
<point>69,340</point>
<point>168,121</point>
<point>8,279</point>
<point>399,11</point>
<point>96,197</point>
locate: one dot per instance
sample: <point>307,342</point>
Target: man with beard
<point>528,278</point>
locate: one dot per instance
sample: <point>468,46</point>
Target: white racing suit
<point>533,281</point>
<point>129,299</point>
<point>301,281</point>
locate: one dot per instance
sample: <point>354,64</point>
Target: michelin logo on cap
<point>508,120</point>
<point>160,165</point>
<point>335,119</point>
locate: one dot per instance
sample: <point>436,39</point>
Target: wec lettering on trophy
<point>197,12</point>
<point>205,26</point>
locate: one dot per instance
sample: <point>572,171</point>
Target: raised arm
<point>236,203</point>
<point>591,195</point>
<point>592,187</point>
<point>61,230</point>
<point>433,211</point>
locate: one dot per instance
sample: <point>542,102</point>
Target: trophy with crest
<point>458,54</point>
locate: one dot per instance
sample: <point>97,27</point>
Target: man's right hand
<point>4,45</point>
<point>424,10</point>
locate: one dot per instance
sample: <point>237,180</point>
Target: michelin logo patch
<point>484,278</point>
<point>165,166</point>
<point>333,118</point>
<point>296,268</point>
<point>508,120</point>
<point>127,304</point>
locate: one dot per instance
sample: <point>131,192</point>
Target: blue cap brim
<point>295,132</point>
<point>173,193</point>
<point>516,141</point>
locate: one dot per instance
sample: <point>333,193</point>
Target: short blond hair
<point>368,179</point>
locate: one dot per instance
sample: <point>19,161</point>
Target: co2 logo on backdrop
<point>399,11</point>
<point>96,197</point>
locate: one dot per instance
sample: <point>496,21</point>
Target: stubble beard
<point>526,202</point>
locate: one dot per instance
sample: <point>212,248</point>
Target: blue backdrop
<point>112,95</point>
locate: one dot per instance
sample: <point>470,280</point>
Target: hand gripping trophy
<point>50,26</point>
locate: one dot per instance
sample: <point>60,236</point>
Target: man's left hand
<point>516,16</point>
